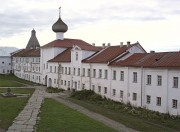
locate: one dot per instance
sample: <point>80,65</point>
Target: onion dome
<point>59,26</point>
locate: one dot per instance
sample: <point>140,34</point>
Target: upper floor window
<point>100,73</point>
<point>88,72</point>
<point>83,72</point>
<point>114,75</point>
<point>122,76</point>
<point>135,77</point>
<point>50,68</point>
<point>148,79</point>
<point>159,80</point>
<point>76,55</point>
<point>106,74</point>
<point>78,71</point>
<point>175,82</point>
<point>65,70</point>
<point>62,71</point>
<point>69,70</point>
<point>94,73</point>
<point>74,71</point>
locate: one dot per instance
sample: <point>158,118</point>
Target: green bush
<point>54,90</point>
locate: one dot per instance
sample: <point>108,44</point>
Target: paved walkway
<point>26,120</point>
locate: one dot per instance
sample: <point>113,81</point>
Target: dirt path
<point>111,123</point>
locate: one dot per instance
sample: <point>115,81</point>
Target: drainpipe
<point>110,81</point>
<point>141,85</point>
<point>90,77</point>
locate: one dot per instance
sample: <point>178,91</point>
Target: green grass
<point>56,117</point>
<point>54,90</point>
<point>10,107</point>
<point>10,83</point>
<point>146,121</point>
<point>13,78</point>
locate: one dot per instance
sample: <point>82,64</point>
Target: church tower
<point>33,41</point>
<point>59,27</point>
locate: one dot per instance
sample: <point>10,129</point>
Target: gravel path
<point>111,123</point>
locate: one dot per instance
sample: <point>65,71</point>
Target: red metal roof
<point>65,56</point>
<point>162,59</point>
<point>69,43</point>
<point>28,53</point>
<point>107,55</point>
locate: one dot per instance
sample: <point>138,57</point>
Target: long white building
<point>124,72</point>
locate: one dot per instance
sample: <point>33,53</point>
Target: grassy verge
<point>54,90</point>
<point>136,118</point>
<point>56,117</point>
<point>14,79</point>
<point>10,107</point>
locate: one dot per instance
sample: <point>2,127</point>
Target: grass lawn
<point>10,83</point>
<point>13,79</point>
<point>10,107</point>
<point>141,124</point>
<point>56,117</point>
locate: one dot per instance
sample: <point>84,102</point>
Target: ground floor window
<point>148,99</point>
<point>105,90</point>
<point>93,87</point>
<point>121,94</point>
<point>114,92</point>
<point>99,89</point>
<point>158,101</point>
<point>134,96</point>
<point>174,103</point>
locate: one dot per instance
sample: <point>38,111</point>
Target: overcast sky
<point>155,24</point>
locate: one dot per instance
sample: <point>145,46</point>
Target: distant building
<point>124,73</point>
<point>5,59</point>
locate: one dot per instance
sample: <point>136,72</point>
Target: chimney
<point>93,44</point>
<point>121,44</point>
<point>103,45</point>
<point>128,43</point>
<point>152,51</point>
<point>109,44</point>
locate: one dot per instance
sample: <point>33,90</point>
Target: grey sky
<point>19,17</point>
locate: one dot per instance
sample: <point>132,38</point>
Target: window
<point>106,74</point>
<point>55,69</point>
<point>88,72</point>
<point>121,75</point>
<point>62,70</point>
<point>148,99</point>
<point>65,70</point>
<point>76,55</point>
<point>3,62</point>
<point>78,71</point>
<point>148,79</point>
<point>61,82</point>
<point>159,80</point>
<point>158,101</point>
<point>68,83</point>
<point>46,65</point>
<point>174,103</point>
<point>83,73</point>
<point>114,92</point>
<point>121,94</point>
<point>93,87</point>
<point>135,77</point>
<point>74,71</point>
<point>99,89</point>
<point>134,96</point>
<point>50,68</point>
<point>64,83</point>
<point>54,81</point>
<point>175,82</point>
<point>105,90</point>
<point>94,73</point>
<point>83,86</point>
<point>69,71</point>
<point>100,73</point>
<point>114,75</point>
